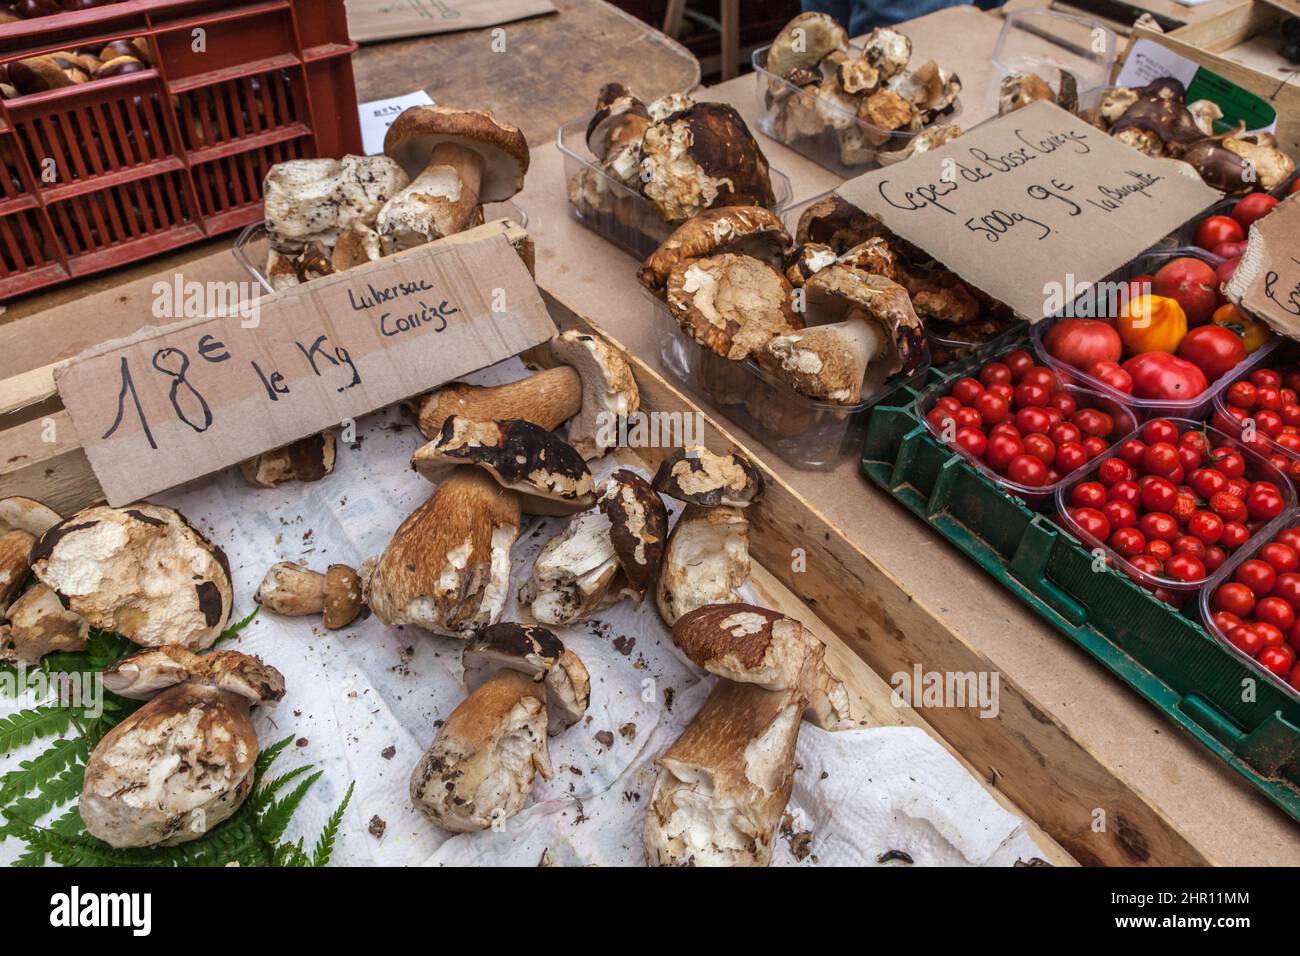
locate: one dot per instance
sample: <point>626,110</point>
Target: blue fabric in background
<point>859,16</point>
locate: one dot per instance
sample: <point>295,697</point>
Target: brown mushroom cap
<point>701,158</point>
<point>836,222</point>
<point>38,625</point>
<point>804,42</point>
<point>697,476</point>
<point>743,642</point>
<point>548,473</point>
<point>535,651</point>
<point>731,304</point>
<point>749,230</point>
<point>835,292</point>
<point>414,135</point>
<point>342,596</point>
<point>147,672</point>
<point>638,527</point>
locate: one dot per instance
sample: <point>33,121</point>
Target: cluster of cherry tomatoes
<point>1258,611</point>
<point>1225,236</point>
<point>1264,407</point>
<point>1173,504</point>
<point>1015,417</point>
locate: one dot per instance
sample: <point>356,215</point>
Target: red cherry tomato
<point>1132,450</point>
<point>1279,660</point>
<point>1069,456</point>
<point>1229,507</point>
<point>1127,542</point>
<point>1234,598</point>
<point>1228,461</point>
<point>993,408</point>
<point>1029,395</point>
<point>1027,470</point>
<point>1088,494</point>
<point>994,372</point>
<point>1094,446</point>
<point>1270,633</point>
<point>1002,450</point>
<point>1160,429</point>
<point>1120,514</point>
<point>971,441</point>
<point>966,390</point>
<point>1126,491</point>
<point>1160,459</point>
<point>1063,402</point>
<point>1113,470</point>
<point>1030,420</point>
<point>1214,557</point>
<point>1206,525</point>
<point>1275,611</point>
<point>1253,207</point>
<point>1160,549</point>
<point>1216,229</point>
<point>1246,639</point>
<point>1242,395</point>
<point>1235,534</point>
<point>1092,522</point>
<point>1042,377</point>
<point>1256,575</point>
<point>1184,567</point>
<point>1186,544</point>
<point>1019,362</point>
<point>1148,564</point>
<point>1112,374</point>
<point>1158,527</point>
<point>1288,588</point>
<point>1159,494</point>
<point>1264,501</point>
<point>1041,447</point>
<point>968,417</point>
<point>1062,432</point>
<point>1289,537</point>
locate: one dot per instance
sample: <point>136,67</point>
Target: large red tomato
<point>1213,349</point>
<point>1164,376</point>
<point>1252,207</point>
<point>1082,343</point>
<point>1217,229</point>
<point>1193,284</point>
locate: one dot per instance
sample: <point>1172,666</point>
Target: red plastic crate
<point>150,161</point>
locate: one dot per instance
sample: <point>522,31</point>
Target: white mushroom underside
<point>571,568</point>
<point>678,186</point>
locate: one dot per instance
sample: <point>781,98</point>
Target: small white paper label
<point>378,115</point>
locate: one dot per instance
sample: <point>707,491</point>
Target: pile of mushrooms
<point>876,109</point>
<point>729,278</point>
<point>1157,120</point>
<point>682,156</point>
<point>63,68</point>
<point>440,165</point>
<point>185,761</point>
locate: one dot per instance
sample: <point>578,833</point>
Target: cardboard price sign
<point>170,404</point>
<point>370,20</point>
<point>1032,205</point>
<point>1267,280</point>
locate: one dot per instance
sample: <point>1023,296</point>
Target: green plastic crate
<point>1163,654</point>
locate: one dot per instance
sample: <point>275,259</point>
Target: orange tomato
<point>1152,323</point>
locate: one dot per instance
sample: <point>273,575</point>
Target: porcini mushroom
<point>730,303</point>
<point>878,332</point>
<point>482,763</point>
<point>804,42</point>
<point>609,391</point>
<point>698,476</point>
<point>458,160</point>
<point>141,571</point>
<point>307,459</point>
<point>887,50</point>
<point>15,563</point>
<point>746,230</point>
<point>307,200</point>
<point>18,513</point>
<point>38,624</point>
<point>703,157</point>
<point>549,475</point>
<point>706,560</point>
<point>601,556</point>
<point>296,591</point>
<point>447,567</point>
<point>724,783</point>
<point>184,762</point>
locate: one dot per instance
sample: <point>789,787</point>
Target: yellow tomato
<point>1253,332</point>
<point>1152,323</point>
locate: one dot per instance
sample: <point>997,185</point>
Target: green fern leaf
<point>325,844</point>
<point>232,632</point>
<point>60,754</point>
<point>21,728</point>
<point>51,795</point>
<point>274,820</point>
<point>268,757</point>
<point>10,685</point>
<point>104,648</point>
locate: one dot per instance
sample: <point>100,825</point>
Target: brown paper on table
<point>371,20</point>
<point>1033,206</point>
<point>1267,280</point>
<point>170,404</point>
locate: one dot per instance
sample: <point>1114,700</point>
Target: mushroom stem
<point>724,783</point>
<point>827,361</point>
<point>463,206</point>
<point>15,563</point>
<point>295,591</point>
<point>547,399</point>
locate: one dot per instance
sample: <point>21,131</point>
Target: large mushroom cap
<point>609,390</point>
<point>750,644</point>
<point>804,42</point>
<point>548,473</point>
<point>172,770</point>
<point>145,673</point>
<point>38,625</point>
<point>414,135</point>
<point>704,157</point>
<point>837,223</point>
<point>638,527</point>
<point>731,304</point>
<point>749,230</point>
<point>839,291</point>
<point>142,571</point>
<point>697,476</point>
<point>300,202</point>
<point>26,514</point>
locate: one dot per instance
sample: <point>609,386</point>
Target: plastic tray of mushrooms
<point>795,343</point>
<point>851,108</point>
<point>635,171</point>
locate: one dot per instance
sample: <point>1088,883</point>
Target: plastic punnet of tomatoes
<point>1253,605</point>
<point>1225,226</point>
<point>1174,503</point>
<point>1015,422</point>
<point>1157,345</point>
<point>1262,406</point>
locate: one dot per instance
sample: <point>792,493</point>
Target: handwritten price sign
<point>1032,201</point>
<point>168,405</point>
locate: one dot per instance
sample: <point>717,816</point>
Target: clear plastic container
<point>1197,407</point>
<point>845,144</point>
<point>1247,551</point>
<point>1125,423</point>
<point>809,434</point>
<point>1045,42</point>
<point>1286,355</point>
<point>1186,236</point>
<point>1258,468</point>
<point>250,245</point>
<point>623,216</point>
